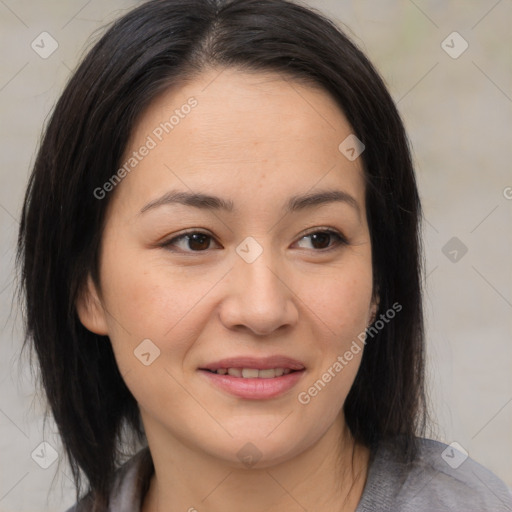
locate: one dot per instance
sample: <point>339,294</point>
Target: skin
<point>256,139</point>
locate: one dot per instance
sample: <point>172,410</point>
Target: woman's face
<point>262,284</point>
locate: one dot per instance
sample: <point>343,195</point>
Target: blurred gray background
<point>457,106</point>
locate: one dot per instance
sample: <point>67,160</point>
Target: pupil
<point>197,238</point>
<point>325,237</point>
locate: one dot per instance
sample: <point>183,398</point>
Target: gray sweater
<point>441,479</point>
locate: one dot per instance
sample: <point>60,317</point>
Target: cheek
<point>140,307</point>
<point>341,307</point>
<point>150,298</point>
<point>339,304</point>
<point>341,299</point>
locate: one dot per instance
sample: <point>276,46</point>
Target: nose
<point>259,296</point>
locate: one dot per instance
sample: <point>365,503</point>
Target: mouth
<point>252,364</point>
<point>252,373</point>
<point>254,378</point>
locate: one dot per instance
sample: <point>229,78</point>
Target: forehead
<point>228,128</point>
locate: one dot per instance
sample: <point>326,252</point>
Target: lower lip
<point>254,389</point>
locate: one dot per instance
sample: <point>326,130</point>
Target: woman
<point>220,258</point>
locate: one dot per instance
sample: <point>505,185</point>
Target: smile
<point>252,383</point>
<point>253,373</point>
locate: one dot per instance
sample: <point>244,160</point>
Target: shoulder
<point>451,478</point>
<point>128,488</point>
<point>441,478</point>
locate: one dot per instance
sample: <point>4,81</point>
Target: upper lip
<point>261,363</point>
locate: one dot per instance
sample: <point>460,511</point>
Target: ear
<point>90,310</point>
<point>374,308</point>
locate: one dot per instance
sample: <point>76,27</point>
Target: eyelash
<point>341,240</point>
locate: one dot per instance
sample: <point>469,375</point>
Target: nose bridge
<point>259,269</point>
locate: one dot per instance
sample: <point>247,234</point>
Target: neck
<point>318,479</point>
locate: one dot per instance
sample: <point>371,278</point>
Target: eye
<point>321,239</point>
<point>197,241</point>
<point>192,241</point>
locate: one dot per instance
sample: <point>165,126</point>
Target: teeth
<point>254,373</point>
<point>248,373</point>
<point>266,374</point>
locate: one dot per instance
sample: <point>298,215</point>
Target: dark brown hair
<point>157,45</point>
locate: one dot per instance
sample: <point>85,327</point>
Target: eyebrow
<point>209,202</point>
